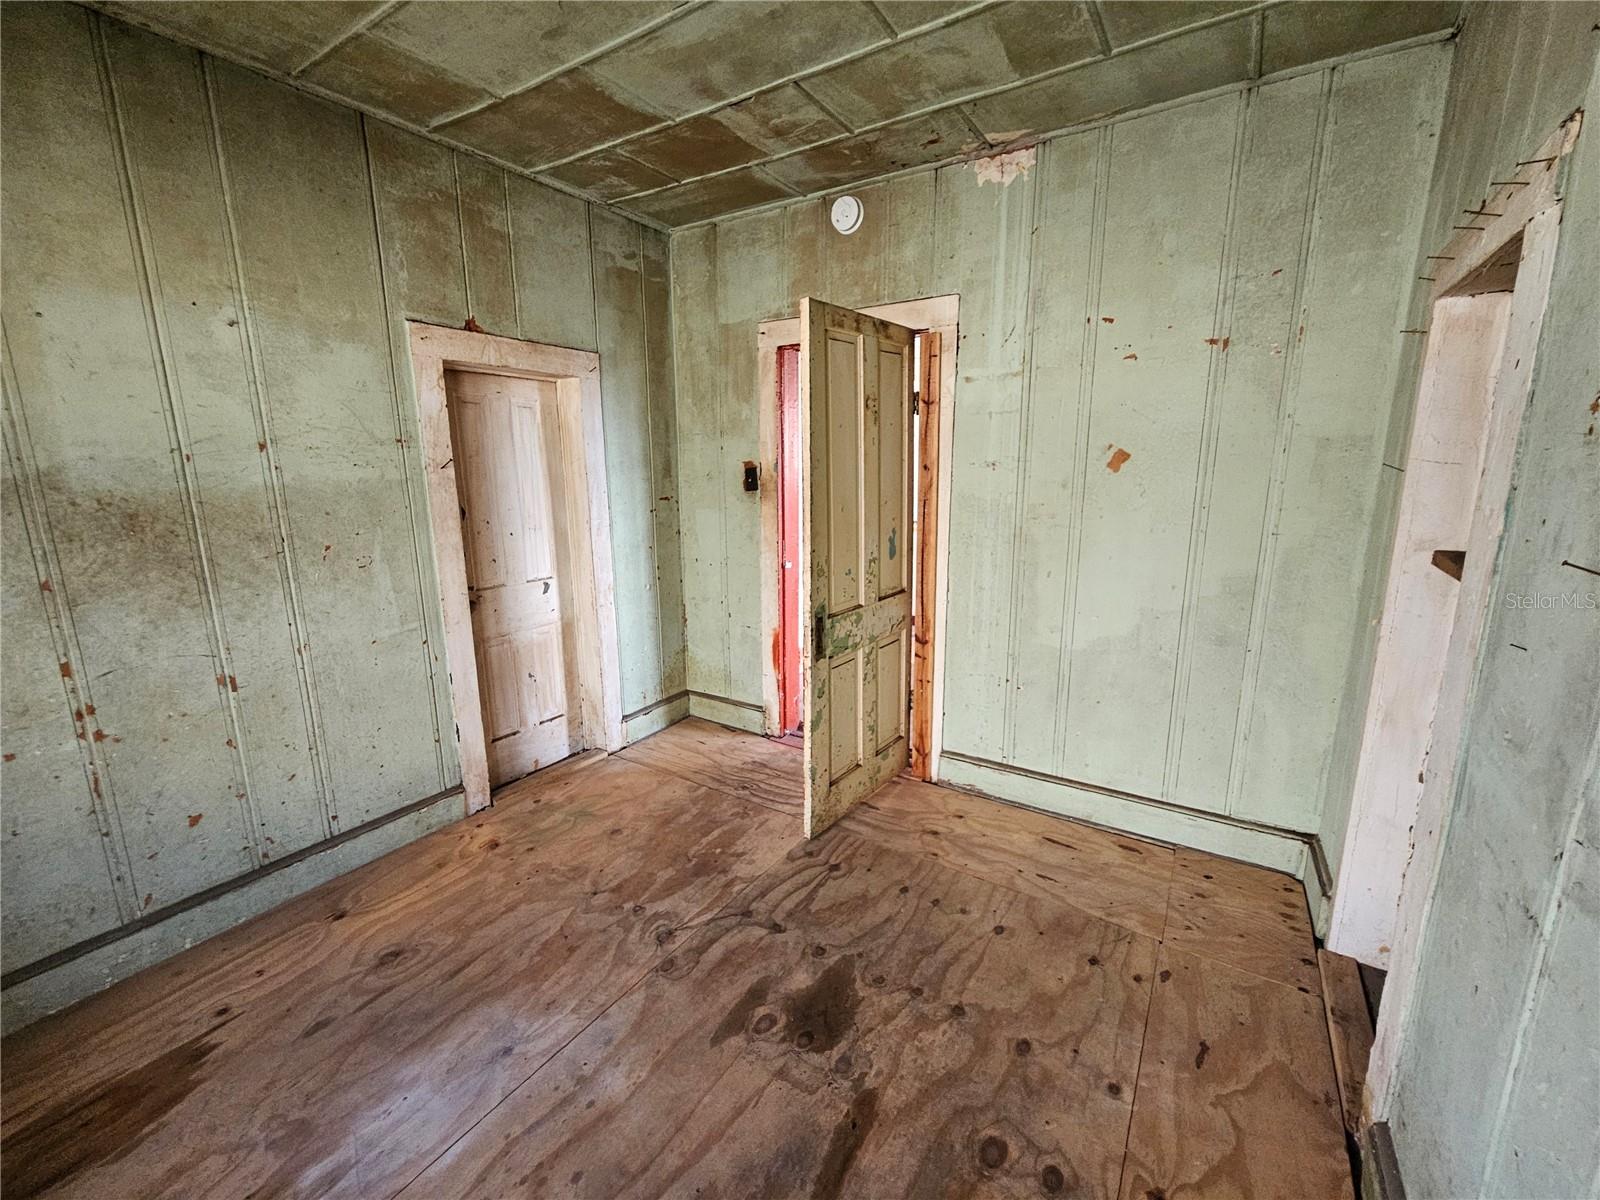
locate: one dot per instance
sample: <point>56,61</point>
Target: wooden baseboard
<point>1349,1031</point>
<point>1380,1169</point>
<point>653,718</point>
<point>1264,845</point>
<point>735,714</point>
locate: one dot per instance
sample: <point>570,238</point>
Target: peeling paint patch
<point>1004,168</point>
<point>195,819</point>
<point>1118,457</point>
<point>1219,343</point>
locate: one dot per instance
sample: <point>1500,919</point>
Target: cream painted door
<point>506,435</point>
<point>855,396</point>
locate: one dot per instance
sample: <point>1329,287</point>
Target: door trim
<point>934,314</point>
<point>576,374</point>
<point>1526,206</point>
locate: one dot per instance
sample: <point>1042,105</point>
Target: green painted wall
<point>222,634</point>
<point>1498,1082</point>
<point>1218,288</point>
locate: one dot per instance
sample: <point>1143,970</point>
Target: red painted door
<point>789,545</point>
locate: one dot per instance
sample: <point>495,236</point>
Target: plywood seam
<point>169,391</point>
<point>64,637</point>
<point>1288,389</point>
<point>1206,453</point>
<point>1032,220</point>
<point>410,478</point>
<point>277,498</point>
<point>1080,466</point>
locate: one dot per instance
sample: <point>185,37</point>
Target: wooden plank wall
<point>1179,354</point>
<point>223,635</point>
<point>1499,1069</point>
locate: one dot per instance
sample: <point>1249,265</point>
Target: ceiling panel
<point>678,111</point>
<point>771,123</point>
<point>281,34</point>
<point>611,175</point>
<point>990,49</point>
<point>912,143</point>
<point>1130,21</point>
<point>906,15</point>
<point>558,119</point>
<point>711,197</point>
<point>504,47</point>
<point>378,74</point>
<point>1309,31</point>
<point>724,50</point>
<point>1195,62</point>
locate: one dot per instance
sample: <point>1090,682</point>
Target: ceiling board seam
<point>355,29</point>
<point>773,85</point>
<point>1258,43</point>
<point>588,56</point>
<point>945,105</point>
<point>1132,114</point>
<point>300,84</point>
<point>827,109</point>
<point>1097,18</point>
<point>972,126</point>
<point>888,26</point>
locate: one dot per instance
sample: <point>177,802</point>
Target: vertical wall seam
<point>1033,218</point>
<point>64,638</point>
<point>408,477</point>
<point>1080,466</point>
<point>1206,455</point>
<point>461,234</point>
<point>511,244</point>
<point>650,473</point>
<point>1272,509</point>
<point>277,496</point>
<point>726,596</point>
<point>1534,986</point>
<point>169,389</point>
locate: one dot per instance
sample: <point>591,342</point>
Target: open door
<point>855,420</point>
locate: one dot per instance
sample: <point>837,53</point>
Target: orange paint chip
<point>1118,457</point>
<point>99,735</point>
<point>1130,358</point>
<point>8,757</point>
<point>195,819</point>
<point>44,586</point>
<point>1109,320</point>
<point>66,670</point>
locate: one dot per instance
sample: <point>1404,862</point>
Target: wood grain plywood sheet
<point>1118,879</point>
<point>335,1046</point>
<point>738,764</point>
<point>1236,1096</point>
<point>1251,918</point>
<point>857,1022</point>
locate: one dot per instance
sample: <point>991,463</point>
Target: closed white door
<point>507,438</point>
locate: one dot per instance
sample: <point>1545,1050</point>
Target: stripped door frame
<point>1526,206</point>
<point>938,315</point>
<point>576,374</point>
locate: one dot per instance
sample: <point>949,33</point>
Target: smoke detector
<point>847,214</point>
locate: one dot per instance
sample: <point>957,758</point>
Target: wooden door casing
<point>855,388</point>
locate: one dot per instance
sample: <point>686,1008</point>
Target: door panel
<point>506,436</point>
<point>855,400</point>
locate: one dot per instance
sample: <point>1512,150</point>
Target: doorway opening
<point>783,545</point>
<point>515,475</point>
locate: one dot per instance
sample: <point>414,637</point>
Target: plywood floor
<point>631,978</point>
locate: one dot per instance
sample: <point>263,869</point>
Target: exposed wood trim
<point>156,916</point>
<point>1535,218</point>
<point>926,601</point>
<point>576,374</point>
<point>1349,1032</point>
<point>1380,1169</point>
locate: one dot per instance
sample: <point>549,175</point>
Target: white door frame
<point>576,374</point>
<point>1526,206</point>
<point>934,314</point>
